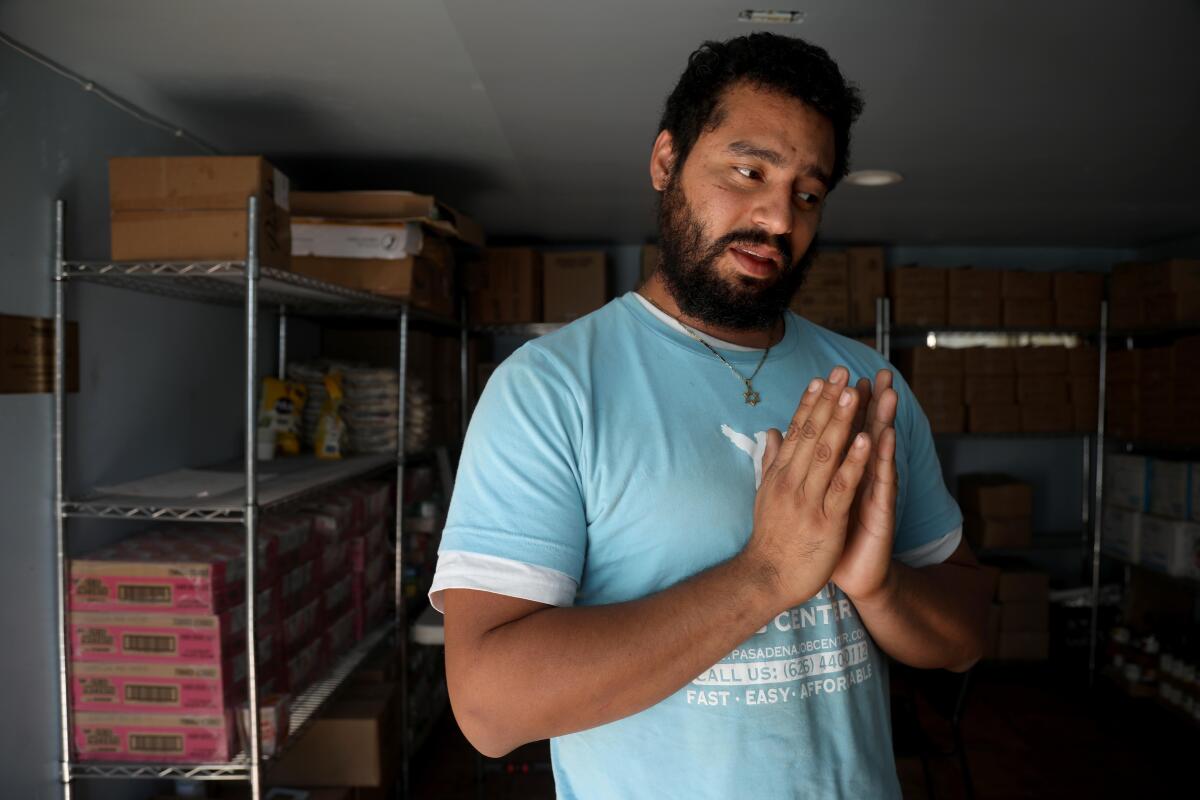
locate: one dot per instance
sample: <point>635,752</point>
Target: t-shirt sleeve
<point>516,524</point>
<point>929,526</point>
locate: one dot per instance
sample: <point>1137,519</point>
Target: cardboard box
<point>1077,297</point>
<point>1127,481</point>
<point>1039,389</point>
<point>990,389</point>
<point>27,355</point>
<point>986,534</point>
<point>1028,315</point>
<point>1124,366</point>
<point>1172,276</point>
<point>938,390</point>
<point>1126,313</point>
<point>180,738</point>
<point>947,418</point>
<point>127,637</point>
<point>988,361</point>
<point>1086,415</point>
<point>139,687</point>
<point>1040,360</point>
<point>1171,546</point>
<point>830,269</point>
<point>1023,646</point>
<point>1023,587</point>
<point>396,206</point>
<point>513,293</point>
<point>1024,285</point>
<point>920,362</point>
<point>650,256</point>
<point>200,235</point>
<point>1121,533</point>
<point>182,183</point>
<point>866,283</point>
<point>353,743</point>
<point>974,298</point>
<point>1025,617</point>
<point>133,578</point>
<point>1171,488</point>
<point>414,279</point>
<point>994,496</point>
<point>1084,360</point>
<point>828,307</point>
<point>333,238</point>
<point>1172,309</point>
<point>1076,314</point>
<point>919,296</point>
<point>576,284</point>
<point>1037,417</point>
<point>1122,423</point>
<point>994,418</point>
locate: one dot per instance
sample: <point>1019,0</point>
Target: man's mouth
<point>760,262</point>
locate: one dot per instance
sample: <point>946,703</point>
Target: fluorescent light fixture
<point>874,177</point>
<point>771,17</point>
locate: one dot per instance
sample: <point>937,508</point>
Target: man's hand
<point>866,564</point>
<point>803,506</point>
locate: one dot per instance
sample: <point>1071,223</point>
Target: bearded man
<point>637,563</point>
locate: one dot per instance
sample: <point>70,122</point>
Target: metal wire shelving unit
<point>252,287</point>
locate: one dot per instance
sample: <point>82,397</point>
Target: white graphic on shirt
<point>756,448</point>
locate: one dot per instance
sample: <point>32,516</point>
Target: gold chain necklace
<point>751,397</point>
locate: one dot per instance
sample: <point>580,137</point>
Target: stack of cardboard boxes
<point>1043,390</point>
<point>1077,297</point>
<point>974,298</point>
<point>1019,623</point>
<point>194,208</point>
<point>1155,295</point>
<point>1028,299</point>
<point>824,298</point>
<point>1152,513</point>
<point>517,285</point>
<point>936,378</point>
<point>1153,394</point>
<point>997,511</point>
<point>919,296</point>
<point>991,390</point>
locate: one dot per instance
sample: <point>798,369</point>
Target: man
<point>637,564</point>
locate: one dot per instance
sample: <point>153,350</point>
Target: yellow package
<point>280,411</point>
<point>331,428</point>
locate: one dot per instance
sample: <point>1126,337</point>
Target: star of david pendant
<point>750,396</point>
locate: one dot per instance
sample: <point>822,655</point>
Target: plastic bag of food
<point>281,410</point>
<point>331,428</point>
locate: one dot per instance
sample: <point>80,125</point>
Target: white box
<point>1171,488</point>
<point>1121,533</point>
<point>1170,545</point>
<point>312,236</point>
<point>1127,482</point>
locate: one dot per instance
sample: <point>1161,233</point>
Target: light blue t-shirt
<point>617,457</point>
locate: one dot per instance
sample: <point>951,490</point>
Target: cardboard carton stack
<point>1028,299</point>
<point>997,511</point>
<point>1043,389</point>
<point>866,274</point>
<point>919,296</point>
<point>1126,501</point>
<point>1123,394</point>
<point>194,208</point>
<point>824,298</point>
<point>936,378</point>
<point>974,298</point>
<point>574,284</point>
<point>395,244</point>
<point>990,389</point>
<point>1077,297</point>
<point>1152,513</point>
<point>1083,386</point>
<point>1186,390</point>
<point>649,263</point>
<point>509,287</point>
<point>1020,617</point>
<point>1155,295</point>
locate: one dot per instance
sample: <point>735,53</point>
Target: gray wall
<point>160,382</point>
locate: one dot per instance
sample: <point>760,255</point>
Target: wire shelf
<point>519,329</point>
<point>223,282</point>
<point>298,479</point>
<point>304,708</point>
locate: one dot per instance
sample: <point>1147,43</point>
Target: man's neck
<point>655,290</point>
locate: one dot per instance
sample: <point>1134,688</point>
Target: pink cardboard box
<point>178,738</point>
<point>197,638</point>
<point>301,625</point>
<point>148,575</point>
<point>339,637</point>
<point>333,562</point>
<point>367,547</point>
<point>140,687</point>
<point>302,666</point>
<point>337,597</point>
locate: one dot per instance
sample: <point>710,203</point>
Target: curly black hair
<point>768,61</point>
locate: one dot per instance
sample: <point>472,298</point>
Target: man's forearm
<point>933,617</point>
<point>561,670</point>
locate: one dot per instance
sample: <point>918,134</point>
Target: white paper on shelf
<point>391,241</point>
<point>183,483</point>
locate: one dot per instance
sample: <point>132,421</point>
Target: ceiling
<point>1021,122</point>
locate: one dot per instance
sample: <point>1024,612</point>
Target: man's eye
<point>808,198</point>
<point>747,172</point>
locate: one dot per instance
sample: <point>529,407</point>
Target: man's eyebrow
<point>743,148</point>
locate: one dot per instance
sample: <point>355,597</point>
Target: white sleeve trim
<point>457,569</point>
<point>934,552</point>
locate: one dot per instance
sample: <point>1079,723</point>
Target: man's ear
<point>662,161</point>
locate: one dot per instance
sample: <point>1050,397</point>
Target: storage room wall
<point>160,386</point>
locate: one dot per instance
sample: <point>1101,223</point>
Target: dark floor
<point>1028,732</point>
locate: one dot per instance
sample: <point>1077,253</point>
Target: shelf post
<point>281,368</point>
<point>60,615</point>
<point>1098,494</point>
<point>251,507</point>
<point>401,612</point>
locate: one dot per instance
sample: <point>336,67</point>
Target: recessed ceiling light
<point>874,177</point>
<point>771,17</point>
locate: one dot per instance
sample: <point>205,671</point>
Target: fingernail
<point>835,375</point>
<point>815,386</point>
<point>844,400</point>
<point>860,441</point>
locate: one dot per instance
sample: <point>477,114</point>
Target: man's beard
<point>688,266</point>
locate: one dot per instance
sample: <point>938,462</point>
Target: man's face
<point>738,218</point>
